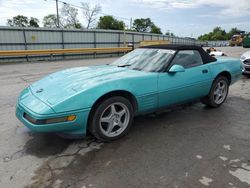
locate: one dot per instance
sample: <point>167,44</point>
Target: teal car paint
<point>227,64</point>
<point>75,91</point>
<point>74,126</point>
<point>182,86</point>
<point>81,87</point>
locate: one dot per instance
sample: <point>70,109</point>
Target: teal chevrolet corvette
<point>103,100</point>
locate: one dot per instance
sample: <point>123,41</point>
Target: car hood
<point>61,85</point>
<point>246,55</point>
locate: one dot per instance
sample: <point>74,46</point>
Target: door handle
<point>204,71</point>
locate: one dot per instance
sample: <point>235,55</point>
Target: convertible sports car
<point>103,100</point>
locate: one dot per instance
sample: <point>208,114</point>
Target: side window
<point>188,58</point>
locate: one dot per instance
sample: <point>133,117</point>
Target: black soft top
<point>205,56</point>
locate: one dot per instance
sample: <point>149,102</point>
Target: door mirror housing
<point>176,68</point>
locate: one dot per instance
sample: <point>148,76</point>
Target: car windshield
<point>145,59</point>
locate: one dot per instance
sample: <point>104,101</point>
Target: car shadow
<point>44,145</point>
<point>246,76</point>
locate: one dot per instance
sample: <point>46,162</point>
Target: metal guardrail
<point>63,51</point>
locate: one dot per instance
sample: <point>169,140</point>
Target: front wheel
<point>111,119</point>
<point>218,92</point>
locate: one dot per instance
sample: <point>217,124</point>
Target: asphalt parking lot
<point>189,146</point>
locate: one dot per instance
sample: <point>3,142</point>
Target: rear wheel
<point>111,119</point>
<point>218,92</point>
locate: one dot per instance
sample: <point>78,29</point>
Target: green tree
<point>169,34</point>
<point>232,32</point>
<point>68,16</point>
<point>108,22</point>
<point>219,34</point>
<point>204,37</point>
<point>23,21</point>
<point>155,29</point>
<point>33,22</point>
<point>142,24</point>
<point>146,25</point>
<point>50,21</point>
<point>18,21</point>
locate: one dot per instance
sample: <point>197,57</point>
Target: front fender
<point>140,87</point>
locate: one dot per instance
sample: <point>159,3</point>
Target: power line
<point>80,7</point>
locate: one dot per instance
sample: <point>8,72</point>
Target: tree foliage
<point>109,22</point>
<point>23,21</point>
<point>68,16</point>
<point>90,13</point>
<point>155,29</point>
<point>146,25</point>
<point>219,34</point>
<point>233,31</point>
<point>142,24</point>
<point>50,21</point>
<point>33,22</point>
<point>169,34</point>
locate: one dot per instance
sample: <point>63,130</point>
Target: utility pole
<point>57,15</point>
<point>130,24</point>
<point>124,36</point>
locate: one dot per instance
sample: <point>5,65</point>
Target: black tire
<point>210,99</point>
<point>96,128</point>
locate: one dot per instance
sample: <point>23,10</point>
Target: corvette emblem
<point>39,90</point>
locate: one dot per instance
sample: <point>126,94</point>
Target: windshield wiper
<point>127,65</point>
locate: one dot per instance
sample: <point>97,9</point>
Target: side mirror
<point>176,68</point>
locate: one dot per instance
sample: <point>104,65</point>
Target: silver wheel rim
<point>114,119</point>
<point>220,92</point>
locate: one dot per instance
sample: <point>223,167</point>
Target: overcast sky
<point>182,17</point>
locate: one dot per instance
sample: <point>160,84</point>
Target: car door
<point>179,87</point>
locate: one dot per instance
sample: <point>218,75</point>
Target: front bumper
<point>76,127</point>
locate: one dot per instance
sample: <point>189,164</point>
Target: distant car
<point>245,60</point>
<point>214,52</point>
<point>104,99</point>
<point>217,53</point>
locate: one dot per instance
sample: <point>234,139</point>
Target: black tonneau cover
<point>205,56</point>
